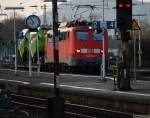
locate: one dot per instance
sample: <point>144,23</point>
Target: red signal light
<point>128,5</point>
<point>124,14</point>
<point>120,5</point>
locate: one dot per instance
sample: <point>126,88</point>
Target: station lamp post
<point>55,44</point>
<point>56,104</point>
<point>15,41</point>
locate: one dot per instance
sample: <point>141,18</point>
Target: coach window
<point>82,36</point>
<point>50,38</point>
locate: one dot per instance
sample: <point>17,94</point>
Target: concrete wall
<point>113,100</point>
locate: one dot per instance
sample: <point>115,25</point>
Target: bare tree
<point>145,30</point>
<point>7,35</point>
<point>6,32</point>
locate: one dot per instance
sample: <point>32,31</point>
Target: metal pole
<point>44,16</point>
<point>38,57</point>
<point>30,63</point>
<point>103,10</point>
<point>123,78</point>
<point>8,50</point>
<point>134,39</point>
<point>15,41</point>
<point>103,58</point>
<point>140,49</point>
<point>56,105</point>
<point>55,48</point>
<point>7,17</point>
<point>103,55</point>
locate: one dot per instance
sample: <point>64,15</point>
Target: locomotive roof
<point>65,26</point>
<point>75,23</point>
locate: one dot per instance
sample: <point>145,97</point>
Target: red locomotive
<point>80,47</point>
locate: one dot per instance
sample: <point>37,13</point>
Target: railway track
<point>37,107</point>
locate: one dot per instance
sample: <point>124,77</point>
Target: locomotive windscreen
<point>82,35</point>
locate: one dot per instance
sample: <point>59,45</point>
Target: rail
<point>37,107</point>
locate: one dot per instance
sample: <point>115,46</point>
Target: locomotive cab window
<point>98,34</point>
<point>82,36</point>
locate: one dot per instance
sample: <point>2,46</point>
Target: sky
<point>25,3</point>
<point>145,0</point>
<point>28,10</point>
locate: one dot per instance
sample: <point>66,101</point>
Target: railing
<point>37,107</point>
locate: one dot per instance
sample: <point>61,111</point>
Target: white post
<point>139,52</point>
<point>38,57</point>
<point>15,41</point>
<point>103,58</point>
<point>103,55</point>
<point>30,63</point>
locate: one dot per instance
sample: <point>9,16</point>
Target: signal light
<point>124,14</point>
<point>120,5</point>
<point>128,5</point>
<point>124,5</point>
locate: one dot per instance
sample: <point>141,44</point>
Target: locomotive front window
<point>98,36</point>
<point>82,35</point>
